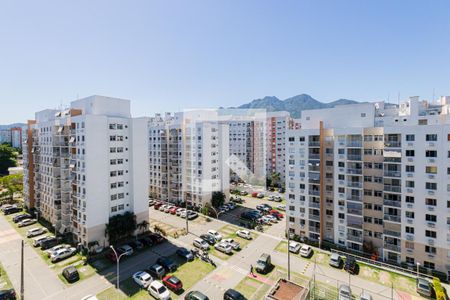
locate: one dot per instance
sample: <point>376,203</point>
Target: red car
<point>112,257</point>
<point>173,210</point>
<point>173,283</point>
<point>157,205</point>
<point>276,214</point>
<point>255,194</point>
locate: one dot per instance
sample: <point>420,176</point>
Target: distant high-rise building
<point>86,164</point>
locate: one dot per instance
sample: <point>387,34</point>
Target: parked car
<point>70,273</point>
<point>151,203</point>
<point>294,247</point>
<point>21,217</point>
<point>12,210</point>
<point>49,243</point>
<point>62,254</point>
<point>223,247</point>
<point>245,234</point>
<point>146,241</point>
<point>271,198</point>
<point>158,291</point>
<point>157,205</point>
<point>365,296</point>
<point>423,287</point>
<point>192,215</point>
<point>345,293</point>
<point>173,283</point>
<point>306,251</point>
<point>179,210</point>
<point>235,245</point>
<point>264,264</point>
<point>281,207</point>
<point>8,294</point>
<point>168,208</point>
<point>260,195</point>
<point>50,251</point>
<point>136,245</point>
<point>126,249</point>
<point>37,241</point>
<point>276,214</point>
<point>201,244</point>
<point>173,210</point>
<point>231,294</point>
<point>167,264</point>
<point>162,207</point>
<point>26,222</point>
<point>209,238</point>
<point>335,260</point>
<point>143,279</point>
<point>185,254</point>
<point>112,256</point>
<point>156,271</point>
<point>36,231</point>
<point>195,295</point>
<point>271,219</point>
<point>156,238</point>
<point>243,193</point>
<point>254,194</point>
<point>217,236</point>
<point>277,198</point>
<point>236,200</point>
<point>350,265</point>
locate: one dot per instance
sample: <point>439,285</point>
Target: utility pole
<point>22,296</point>
<point>289,253</point>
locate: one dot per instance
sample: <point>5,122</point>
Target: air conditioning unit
<point>430,208</point>
<point>409,237</point>
<point>409,221</point>
<point>431,224</point>
<point>410,175</point>
<point>410,159</point>
<point>430,242</point>
<point>431,160</point>
<point>341,221</point>
<point>409,205</point>
<point>410,144</point>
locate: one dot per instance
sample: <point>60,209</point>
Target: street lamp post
<point>187,222</point>
<point>417,269</point>
<point>117,260</point>
<point>289,253</point>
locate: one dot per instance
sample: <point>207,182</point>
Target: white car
<point>266,220</point>
<point>183,214</point>
<point>223,247</point>
<point>271,198</point>
<point>143,279</point>
<point>36,231</point>
<point>158,291</point>
<point>168,207</point>
<point>50,251</point>
<point>235,245</point>
<point>281,207</point>
<point>201,244</point>
<point>62,254</point>
<point>26,222</point>
<point>217,236</point>
<point>179,211</point>
<point>163,207</point>
<point>125,249</point>
<point>305,251</point>
<point>272,219</point>
<point>277,198</point>
<point>37,241</point>
<point>345,293</point>
<point>294,247</point>
<point>245,234</point>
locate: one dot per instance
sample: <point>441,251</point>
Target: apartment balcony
<point>354,171</point>
<point>392,173</point>
<point>314,229</point>
<point>392,144</point>
<point>355,184</point>
<point>392,188</point>
<point>392,247</point>
<point>391,233</point>
<point>354,157</point>
<point>355,238</point>
<point>314,204</point>
<point>392,218</point>
<point>354,211</point>
<point>314,181</point>
<point>392,203</point>
<point>314,217</point>
<point>314,156</point>
<point>354,225</point>
<point>354,144</point>
<point>314,193</point>
<point>354,198</point>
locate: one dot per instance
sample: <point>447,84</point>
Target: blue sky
<point>171,55</point>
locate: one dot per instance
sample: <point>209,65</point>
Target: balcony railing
<point>354,157</point>
<point>355,184</point>
<point>314,156</point>
<point>354,171</point>
<point>314,217</point>
<point>354,211</point>
<point>392,173</point>
<point>392,233</point>
<point>355,238</point>
<point>314,192</point>
<point>354,198</point>
<point>392,247</point>
<point>392,144</point>
<point>314,204</point>
<point>357,144</point>
<point>392,218</point>
<point>314,143</point>
<point>392,203</point>
<point>392,188</point>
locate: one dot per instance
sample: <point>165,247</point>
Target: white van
<point>37,241</point>
<point>35,232</point>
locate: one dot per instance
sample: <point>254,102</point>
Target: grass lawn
<point>189,273</point>
<point>85,271</point>
<point>4,280</point>
<point>281,247</point>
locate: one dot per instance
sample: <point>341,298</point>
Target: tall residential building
<point>187,156</point>
<point>374,178</point>
<point>5,136</point>
<point>16,137</point>
<point>277,125</point>
<point>86,164</point>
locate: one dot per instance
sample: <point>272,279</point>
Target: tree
<point>8,156</point>
<point>120,227</point>
<point>217,199</point>
<point>11,184</point>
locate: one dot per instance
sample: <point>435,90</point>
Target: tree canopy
<point>11,184</point>
<point>8,156</point>
<point>120,227</point>
<point>217,199</point>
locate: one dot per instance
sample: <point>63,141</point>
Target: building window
<point>409,169</point>
<point>431,185</point>
<point>409,214</point>
<point>430,218</point>
<point>120,207</point>
<point>409,230</point>
<point>430,201</point>
<point>409,153</point>
<point>430,170</point>
<point>409,199</point>
<point>409,184</point>
<point>429,249</point>
<point>430,233</point>
<point>113,208</point>
<point>431,153</point>
<point>431,137</point>
<point>410,137</point>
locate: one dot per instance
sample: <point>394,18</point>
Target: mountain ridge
<point>295,105</point>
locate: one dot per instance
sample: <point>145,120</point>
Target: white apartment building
<point>86,164</point>
<point>187,157</point>
<point>277,125</point>
<point>374,178</point>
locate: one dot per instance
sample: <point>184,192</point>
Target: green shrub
<point>440,294</point>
